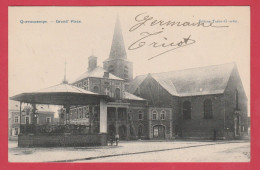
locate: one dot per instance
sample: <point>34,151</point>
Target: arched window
<point>186,110</point>
<point>236,94</point>
<point>208,109</point>
<point>111,69</point>
<point>162,115</point>
<point>126,72</point>
<point>96,89</point>
<point>117,93</point>
<point>154,115</point>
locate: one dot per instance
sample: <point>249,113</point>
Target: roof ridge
<point>88,74</point>
<point>192,80</point>
<point>46,88</point>
<point>229,77</point>
<point>81,89</point>
<point>137,97</point>
<point>193,68</point>
<point>159,81</point>
<point>142,75</point>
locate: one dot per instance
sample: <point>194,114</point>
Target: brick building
<point>207,102</point>
<point>45,117</point>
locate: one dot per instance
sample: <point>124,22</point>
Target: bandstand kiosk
<point>66,95</point>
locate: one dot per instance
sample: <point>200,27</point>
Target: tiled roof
<point>13,105</point>
<point>65,88</point>
<point>135,83</point>
<point>191,82</point>
<point>58,95</point>
<point>166,83</point>
<point>130,96</point>
<point>97,73</point>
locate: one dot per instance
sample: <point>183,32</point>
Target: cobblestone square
<point>138,151</point>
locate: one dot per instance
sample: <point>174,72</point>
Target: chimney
<point>92,63</point>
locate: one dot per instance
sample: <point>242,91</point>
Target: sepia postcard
<point>129,84</point>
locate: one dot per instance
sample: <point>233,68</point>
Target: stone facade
<point>160,123</point>
<point>102,86</point>
<point>120,68</point>
<point>235,106</point>
<point>228,117</point>
<point>198,126</point>
<point>202,103</point>
<point>138,116</point>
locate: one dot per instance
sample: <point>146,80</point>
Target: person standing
<point>117,138</point>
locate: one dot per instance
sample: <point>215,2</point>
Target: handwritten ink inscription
<point>147,38</point>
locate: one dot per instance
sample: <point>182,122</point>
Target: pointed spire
<point>118,47</point>
<point>65,81</point>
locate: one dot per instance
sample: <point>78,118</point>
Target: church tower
<point>117,62</point>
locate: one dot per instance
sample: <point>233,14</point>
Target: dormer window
<point>117,94</point>
<point>106,75</point>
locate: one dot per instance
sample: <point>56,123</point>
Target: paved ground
<point>138,151</point>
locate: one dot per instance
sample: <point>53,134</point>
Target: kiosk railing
<point>52,129</point>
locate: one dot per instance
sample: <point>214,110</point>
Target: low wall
<point>13,138</point>
<point>61,140</point>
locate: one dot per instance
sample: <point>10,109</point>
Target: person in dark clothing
<point>117,138</point>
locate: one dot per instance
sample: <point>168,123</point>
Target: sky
<point>38,51</point>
